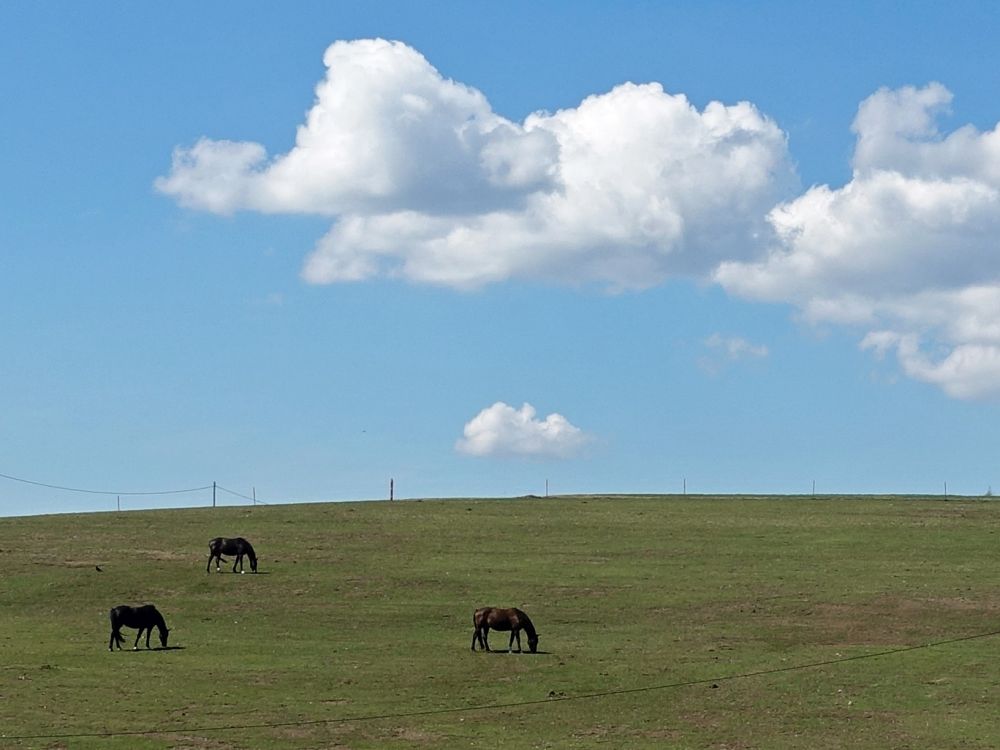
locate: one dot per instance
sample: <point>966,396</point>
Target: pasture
<point>678,622</point>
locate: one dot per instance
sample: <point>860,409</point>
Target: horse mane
<point>160,622</point>
<point>527,624</point>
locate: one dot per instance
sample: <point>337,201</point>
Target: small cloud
<point>727,350</point>
<point>271,299</point>
<point>880,342</point>
<point>502,430</point>
<point>968,371</point>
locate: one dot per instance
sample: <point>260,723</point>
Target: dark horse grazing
<point>239,546</point>
<point>511,619</point>
<point>143,618</point>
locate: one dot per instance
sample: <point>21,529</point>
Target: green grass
<point>364,610</point>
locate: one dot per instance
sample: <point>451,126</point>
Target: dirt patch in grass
<point>598,732</point>
<point>883,621</point>
<point>889,620</point>
<point>415,736</point>
<point>160,554</point>
<point>188,742</point>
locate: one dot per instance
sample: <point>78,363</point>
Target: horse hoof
<point>242,572</point>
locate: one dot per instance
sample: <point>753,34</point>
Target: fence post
<point>213,494</point>
<point>392,488</point>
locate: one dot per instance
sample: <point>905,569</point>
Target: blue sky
<point>745,246</point>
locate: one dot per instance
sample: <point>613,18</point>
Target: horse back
<point>497,618</point>
<point>235,546</point>
<point>135,617</point>
<point>511,618</point>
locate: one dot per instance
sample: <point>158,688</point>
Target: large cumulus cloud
<point>425,182</point>
<point>908,249</point>
<point>386,132</point>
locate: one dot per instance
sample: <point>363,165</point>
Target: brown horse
<point>511,619</point>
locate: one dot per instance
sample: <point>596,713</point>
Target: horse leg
<point>239,559</point>
<point>516,633</point>
<point>114,640</point>
<point>480,633</point>
<point>486,636</point>
<point>149,632</point>
<point>135,646</point>
<point>208,568</point>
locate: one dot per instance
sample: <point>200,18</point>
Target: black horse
<point>239,546</point>
<point>143,618</point>
<point>511,619</point>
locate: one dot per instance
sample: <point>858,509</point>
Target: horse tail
<point>116,635</point>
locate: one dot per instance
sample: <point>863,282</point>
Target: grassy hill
<point>686,622</point>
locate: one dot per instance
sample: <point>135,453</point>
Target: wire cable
<point>240,494</point>
<point>102,492</point>
<point>513,704</point>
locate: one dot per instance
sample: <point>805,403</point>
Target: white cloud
<point>427,183</point>
<point>723,351</point>
<point>735,348</point>
<point>385,133</point>
<point>967,371</point>
<point>423,181</point>
<point>908,248</point>
<point>502,430</point>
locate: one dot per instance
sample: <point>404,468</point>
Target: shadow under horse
<point>239,546</point>
<point>145,618</point>
<point>511,619</point>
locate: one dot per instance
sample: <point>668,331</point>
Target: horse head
<point>533,643</point>
<point>164,634</point>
